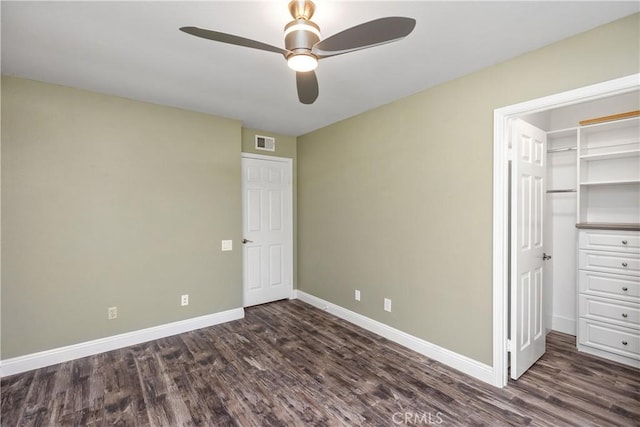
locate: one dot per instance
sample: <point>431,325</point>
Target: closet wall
<point>561,204</point>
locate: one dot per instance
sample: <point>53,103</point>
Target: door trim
<point>265,157</point>
<point>289,226</point>
<point>501,158</point>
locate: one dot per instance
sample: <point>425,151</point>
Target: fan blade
<point>231,39</point>
<point>369,34</point>
<point>307,86</point>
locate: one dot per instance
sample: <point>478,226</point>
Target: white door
<point>267,229</point>
<point>528,176</point>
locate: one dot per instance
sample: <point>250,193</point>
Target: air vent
<point>265,143</point>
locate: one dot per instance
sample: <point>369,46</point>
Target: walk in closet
<point>592,225</point>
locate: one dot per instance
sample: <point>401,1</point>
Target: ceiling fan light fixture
<point>303,47</point>
<point>302,62</point>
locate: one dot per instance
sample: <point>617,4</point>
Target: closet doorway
<point>550,300</point>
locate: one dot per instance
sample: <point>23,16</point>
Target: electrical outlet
<point>112,313</point>
<point>184,300</point>
<point>387,304</point>
<point>357,296</point>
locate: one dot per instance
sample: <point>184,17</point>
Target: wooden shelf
<point>606,119</point>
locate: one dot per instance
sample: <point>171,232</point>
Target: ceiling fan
<point>303,47</point>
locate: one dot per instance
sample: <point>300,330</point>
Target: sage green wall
<point>112,202</point>
<point>285,147</point>
<point>397,202</point>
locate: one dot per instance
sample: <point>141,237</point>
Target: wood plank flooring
<point>289,364</point>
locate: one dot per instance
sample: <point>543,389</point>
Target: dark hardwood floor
<point>289,364</point>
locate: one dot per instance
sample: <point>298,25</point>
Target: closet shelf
<point>563,133</point>
<point>613,121</point>
<point>612,155</point>
<point>612,182</point>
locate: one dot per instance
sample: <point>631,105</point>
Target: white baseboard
<point>63,354</point>
<point>564,325</point>
<point>457,361</point>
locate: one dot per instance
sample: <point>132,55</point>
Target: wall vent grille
<point>265,143</point>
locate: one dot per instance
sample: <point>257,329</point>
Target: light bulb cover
<point>302,62</point>
<point>301,25</point>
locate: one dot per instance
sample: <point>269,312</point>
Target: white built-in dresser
<point>608,209</point>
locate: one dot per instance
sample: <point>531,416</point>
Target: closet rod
<point>562,191</point>
<point>557,150</point>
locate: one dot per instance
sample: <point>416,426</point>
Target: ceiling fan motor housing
<point>300,36</point>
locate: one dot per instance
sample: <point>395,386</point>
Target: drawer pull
<point>624,343</point>
<point>624,242</point>
<point>624,264</point>
<point>625,315</point>
<point>624,288</point>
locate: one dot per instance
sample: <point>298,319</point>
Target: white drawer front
<point>612,311</point>
<point>618,340</point>
<point>610,262</point>
<point>605,240</point>
<point>610,285</point>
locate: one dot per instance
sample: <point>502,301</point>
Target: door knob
<point>546,257</point>
<point>244,241</point>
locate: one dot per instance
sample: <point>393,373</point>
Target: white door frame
<point>289,226</point>
<point>501,158</point>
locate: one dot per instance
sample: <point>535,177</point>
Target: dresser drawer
<point>618,312</point>
<point>614,339</point>
<point>606,240</point>
<point>609,262</point>
<point>609,285</point>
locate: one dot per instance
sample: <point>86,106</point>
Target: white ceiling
<point>134,49</point>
